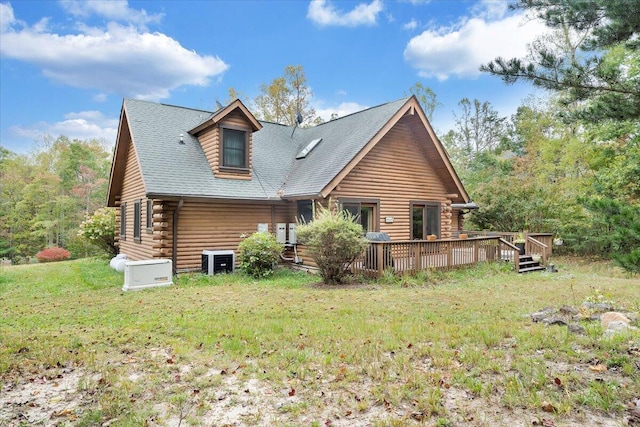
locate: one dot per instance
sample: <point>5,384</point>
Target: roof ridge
<point>406,98</point>
<point>169,105</point>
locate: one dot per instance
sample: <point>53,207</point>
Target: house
<point>187,180</point>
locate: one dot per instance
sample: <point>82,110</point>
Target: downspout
<point>174,249</point>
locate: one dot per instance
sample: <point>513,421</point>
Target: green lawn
<point>446,349</point>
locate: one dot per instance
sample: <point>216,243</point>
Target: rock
<point>539,316</point>
<point>612,317</point>
<point>614,322</point>
<point>568,310</point>
<point>574,328</point>
<point>554,320</point>
<point>599,306</point>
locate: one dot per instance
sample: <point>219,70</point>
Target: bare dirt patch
<point>48,398</point>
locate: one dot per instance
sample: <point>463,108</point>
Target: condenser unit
<point>214,262</point>
<point>147,274</point>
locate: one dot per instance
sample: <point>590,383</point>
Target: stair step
<point>530,269</point>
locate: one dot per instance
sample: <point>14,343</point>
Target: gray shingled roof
<point>173,169</point>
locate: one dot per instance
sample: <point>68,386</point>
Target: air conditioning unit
<point>147,274</point>
<point>214,262</point>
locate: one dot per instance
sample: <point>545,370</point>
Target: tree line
<point>47,193</point>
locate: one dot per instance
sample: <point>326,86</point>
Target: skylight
<point>306,150</point>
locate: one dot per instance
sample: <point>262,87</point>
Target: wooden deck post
<point>476,249</point>
<point>418,257</point>
<point>380,258</point>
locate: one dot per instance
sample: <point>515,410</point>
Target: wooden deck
<point>412,256</point>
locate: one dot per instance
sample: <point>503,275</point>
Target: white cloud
<point>82,125</point>
<point>461,49</point>
<point>117,10</point>
<point>118,59</point>
<point>341,110</point>
<point>324,13</point>
<point>411,25</point>
<point>6,16</point>
<point>490,9</point>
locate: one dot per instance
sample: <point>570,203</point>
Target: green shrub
<point>258,253</point>
<point>333,240</point>
<point>100,230</point>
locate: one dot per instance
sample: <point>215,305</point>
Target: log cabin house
<point>187,180</point>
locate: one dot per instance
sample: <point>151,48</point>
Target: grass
<point>390,352</point>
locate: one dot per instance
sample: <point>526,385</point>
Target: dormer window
<point>234,153</point>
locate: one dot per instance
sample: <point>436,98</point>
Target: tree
<point>478,128</point>
<point>596,66</point>
<point>333,240</point>
<point>426,97</point>
<point>46,194</point>
<point>285,97</point>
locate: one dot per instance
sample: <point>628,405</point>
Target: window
<point>305,211</point>
<point>136,221</point>
<point>425,220</point>
<point>365,213</point>
<point>235,148</point>
<point>149,216</point>
<point>123,220</point>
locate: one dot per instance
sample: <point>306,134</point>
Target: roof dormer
<point>226,138</point>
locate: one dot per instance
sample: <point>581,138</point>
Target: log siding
<point>133,191</point>
<point>220,225</point>
<point>396,172</point>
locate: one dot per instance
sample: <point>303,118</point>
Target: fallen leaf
<point>598,368</point>
<point>548,407</point>
<point>418,416</point>
<point>64,413</point>
<point>239,367</point>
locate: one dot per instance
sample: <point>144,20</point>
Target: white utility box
<point>147,274</point>
<point>281,232</point>
<point>293,239</point>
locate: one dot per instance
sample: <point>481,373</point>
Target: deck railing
<point>412,256</point>
<point>536,243</point>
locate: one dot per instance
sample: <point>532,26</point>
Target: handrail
<point>541,245</point>
<point>516,257</point>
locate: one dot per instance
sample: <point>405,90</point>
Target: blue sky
<point>66,65</point>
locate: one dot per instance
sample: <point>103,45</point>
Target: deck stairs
<point>527,264</point>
